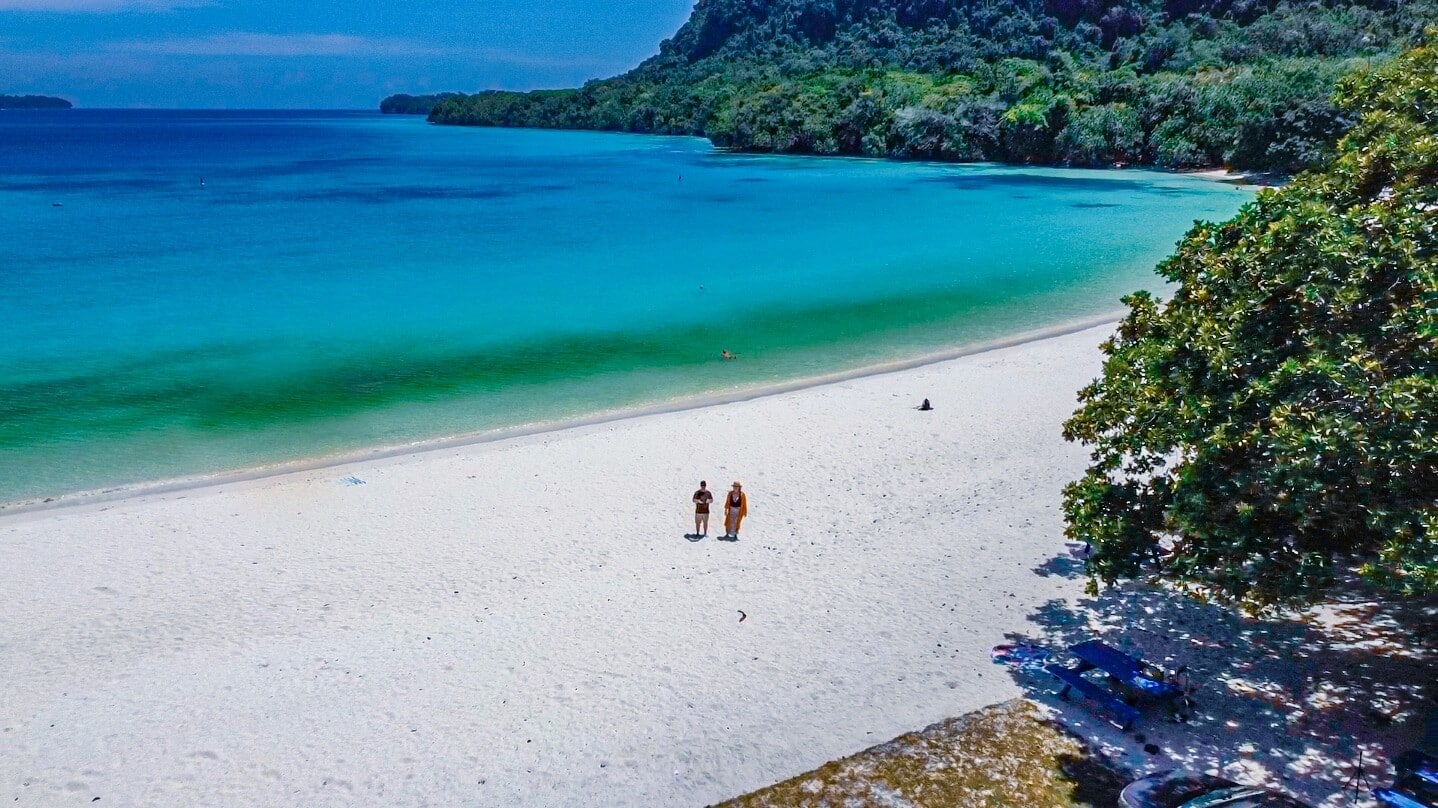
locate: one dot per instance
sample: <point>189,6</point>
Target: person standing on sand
<point>702,498</point>
<point>736,507</point>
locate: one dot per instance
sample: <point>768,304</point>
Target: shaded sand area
<point>1316,703</point>
<point>524,623</point>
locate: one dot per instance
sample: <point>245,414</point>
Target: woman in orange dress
<point>736,507</point>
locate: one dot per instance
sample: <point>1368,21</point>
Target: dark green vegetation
<point>1245,83</point>
<point>33,102</point>
<point>1277,419</point>
<point>404,104</point>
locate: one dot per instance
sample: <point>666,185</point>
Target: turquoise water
<point>191,292</point>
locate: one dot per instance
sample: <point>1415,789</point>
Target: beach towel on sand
<point>1025,656</point>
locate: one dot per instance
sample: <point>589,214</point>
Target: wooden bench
<point>1124,715</point>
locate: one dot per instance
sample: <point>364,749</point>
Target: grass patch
<point>1005,755</point>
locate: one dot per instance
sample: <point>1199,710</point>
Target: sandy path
<point>523,623</point>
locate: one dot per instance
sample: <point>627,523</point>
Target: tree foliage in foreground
<point>1276,421</point>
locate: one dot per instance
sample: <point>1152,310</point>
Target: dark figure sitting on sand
<point>926,406</point>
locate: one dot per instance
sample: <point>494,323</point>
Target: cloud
<point>97,6</point>
<point>241,43</point>
<point>248,43</point>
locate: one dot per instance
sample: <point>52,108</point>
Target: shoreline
<point>1263,179</point>
<point>525,622</point>
<point>530,622</point>
<point>1258,179</point>
<point>161,487</point>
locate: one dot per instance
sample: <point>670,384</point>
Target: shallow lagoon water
<point>193,292</point>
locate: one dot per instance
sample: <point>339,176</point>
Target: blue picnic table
<point>1124,669</point>
<point>1127,672</point>
<point>1393,798</point>
<point>1417,783</point>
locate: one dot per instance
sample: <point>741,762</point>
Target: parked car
<point>1181,789</point>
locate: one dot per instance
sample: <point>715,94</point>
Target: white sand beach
<point>523,623</point>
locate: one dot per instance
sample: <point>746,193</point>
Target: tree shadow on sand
<point>1063,566</point>
<point>1289,702</point>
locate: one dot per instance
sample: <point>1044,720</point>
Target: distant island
<point>1175,83</point>
<point>33,102</point>
<point>405,104</point>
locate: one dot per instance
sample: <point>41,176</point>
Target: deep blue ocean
<point>191,292</point>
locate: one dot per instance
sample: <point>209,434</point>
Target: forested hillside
<point>1183,83</point>
<point>32,102</point>
<point>406,104</point>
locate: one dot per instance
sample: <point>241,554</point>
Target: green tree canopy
<point>1177,83</point>
<point>1273,423</point>
<point>405,104</point>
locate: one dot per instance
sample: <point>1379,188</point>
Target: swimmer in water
<point>725,353</point>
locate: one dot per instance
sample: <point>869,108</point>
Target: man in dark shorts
<point>702,498</point>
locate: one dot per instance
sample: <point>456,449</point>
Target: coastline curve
<point>160,488</point>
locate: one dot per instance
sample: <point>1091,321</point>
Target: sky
<point>316,54</point>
